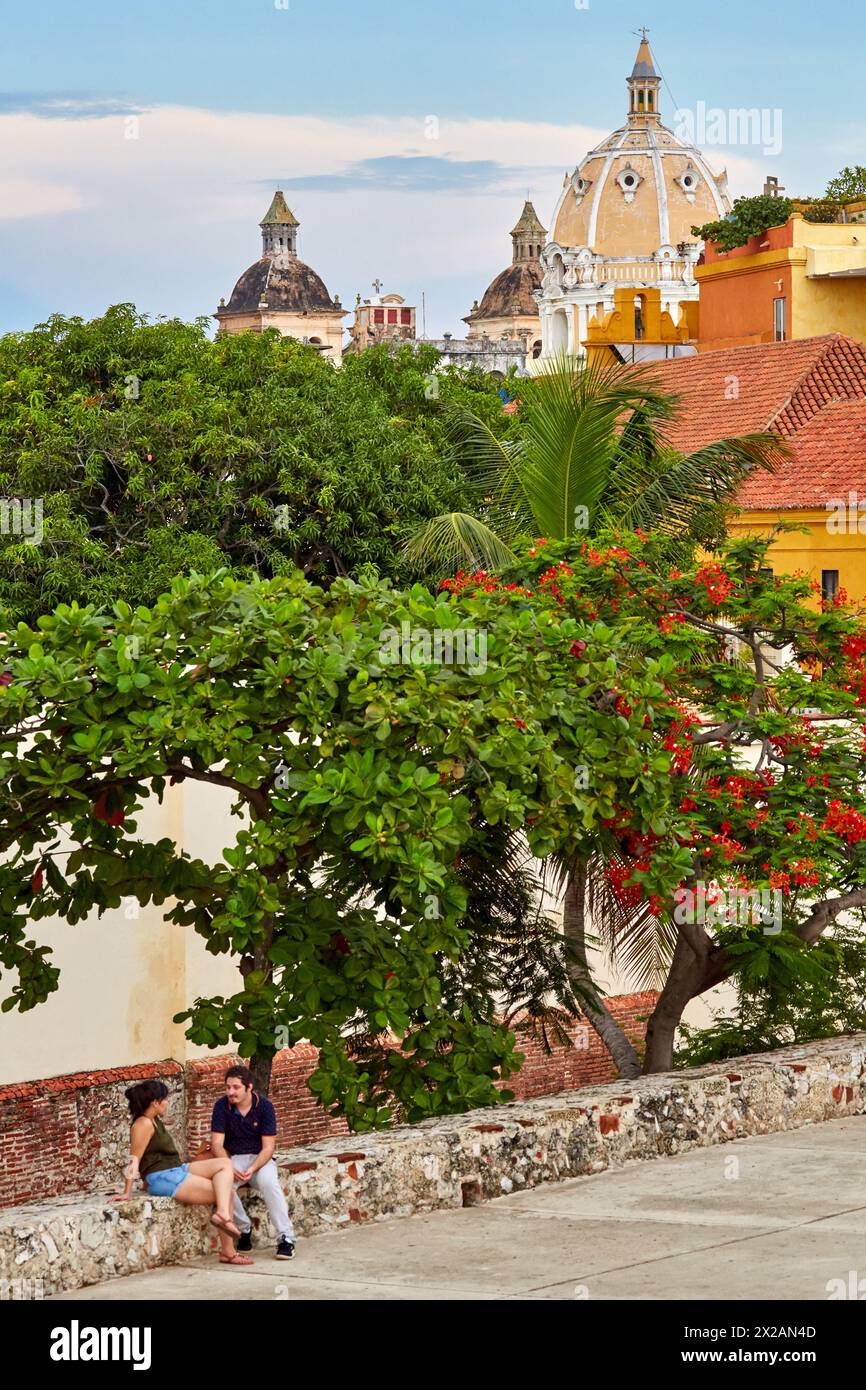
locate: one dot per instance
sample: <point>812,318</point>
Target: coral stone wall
<point>69,1134</point>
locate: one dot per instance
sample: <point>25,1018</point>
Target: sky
<point>140,143</point>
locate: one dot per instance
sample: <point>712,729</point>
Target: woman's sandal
<point>236,1260</point>
<point>228,1226</point>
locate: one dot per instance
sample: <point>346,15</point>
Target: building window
<point>829,585</point>
<point>638,317</point>
<point>392,315</point>
<point>406,316</point>
<point>378,315</point>
<point>649,101</point>
<point>779,327</point>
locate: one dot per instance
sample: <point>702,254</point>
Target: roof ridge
<point>835,341</point>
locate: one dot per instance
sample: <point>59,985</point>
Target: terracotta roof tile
<point>829,459</point>
<point>810,390</point>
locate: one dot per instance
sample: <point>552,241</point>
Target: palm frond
<point>492,467</point>
<point>687,486</point>
<point>572,419</point>
<point>455,541</point>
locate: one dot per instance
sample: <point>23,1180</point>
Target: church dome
<point>284,283</point>
<point>279,280</point>
<point>642,188</point>
<point>511,293</point>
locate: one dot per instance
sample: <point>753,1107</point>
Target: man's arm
<point>269,1143</point>
<point>267,1134</point>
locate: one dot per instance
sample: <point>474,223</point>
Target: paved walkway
<point>775,1217</point>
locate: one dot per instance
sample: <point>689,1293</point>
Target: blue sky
<point>332,99</point>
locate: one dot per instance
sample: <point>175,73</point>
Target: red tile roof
<point>810,390</point>
<point>829,460</point>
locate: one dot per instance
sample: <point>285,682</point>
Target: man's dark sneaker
<point>285,1249</point>
<point>246,1241</point>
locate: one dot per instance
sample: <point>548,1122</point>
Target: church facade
<point>624,220</point>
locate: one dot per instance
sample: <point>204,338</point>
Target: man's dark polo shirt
<point>243,1133</point>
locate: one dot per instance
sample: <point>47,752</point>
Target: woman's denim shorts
<point>166,1182</point>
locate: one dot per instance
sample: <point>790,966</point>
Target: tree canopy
<point>697,734</point>
<point>155,450</point>
<point>748,217</point>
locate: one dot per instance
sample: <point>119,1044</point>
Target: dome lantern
<point>644,86</point>
<point>279,229</point>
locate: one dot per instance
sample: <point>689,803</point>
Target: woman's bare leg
<point>220,1173</point>
<point>198,1191</point>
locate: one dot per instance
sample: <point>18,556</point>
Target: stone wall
<point>69,1134</point>
<point>453,1162</point>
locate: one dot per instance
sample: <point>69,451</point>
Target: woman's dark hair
<point>142,1093</point>
<point>243,1073</point>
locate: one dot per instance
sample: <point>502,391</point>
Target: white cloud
<point>169,219</point>
<point>27,198</point>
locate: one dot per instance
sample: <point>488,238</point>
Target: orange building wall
<point>737,310</point>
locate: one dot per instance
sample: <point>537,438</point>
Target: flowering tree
<point>372,770</point>
<point>761,728</point>
<point>693,738</point>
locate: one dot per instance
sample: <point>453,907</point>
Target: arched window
<point>638,317</point>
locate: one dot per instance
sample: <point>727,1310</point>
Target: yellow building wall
<point>828,306</point>
<point>813,552</point>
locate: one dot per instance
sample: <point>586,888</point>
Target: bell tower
<point>644,86</point>
<point>279,229</point>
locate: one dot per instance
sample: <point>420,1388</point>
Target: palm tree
<point>590,453</point>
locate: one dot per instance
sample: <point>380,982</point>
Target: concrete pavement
<point>773,1217</point>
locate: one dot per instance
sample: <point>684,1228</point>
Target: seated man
<point>244,1127</point>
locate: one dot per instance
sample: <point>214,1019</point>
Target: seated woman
<point>154,1158</point>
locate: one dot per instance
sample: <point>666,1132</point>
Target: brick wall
<point>70,1133</point>
<point>588,1062</point>
<point>300,1118</point>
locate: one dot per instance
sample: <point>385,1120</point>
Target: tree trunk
<point>684,981</point>
<point>574,929</point>
<point>260,1065</point>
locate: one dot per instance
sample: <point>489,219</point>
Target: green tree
<point>155,450</point>
<point>748,217</point>
<point>370,778</point>
<point>588,452</point>
<point>608,719</point>
<point>848,183</point>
